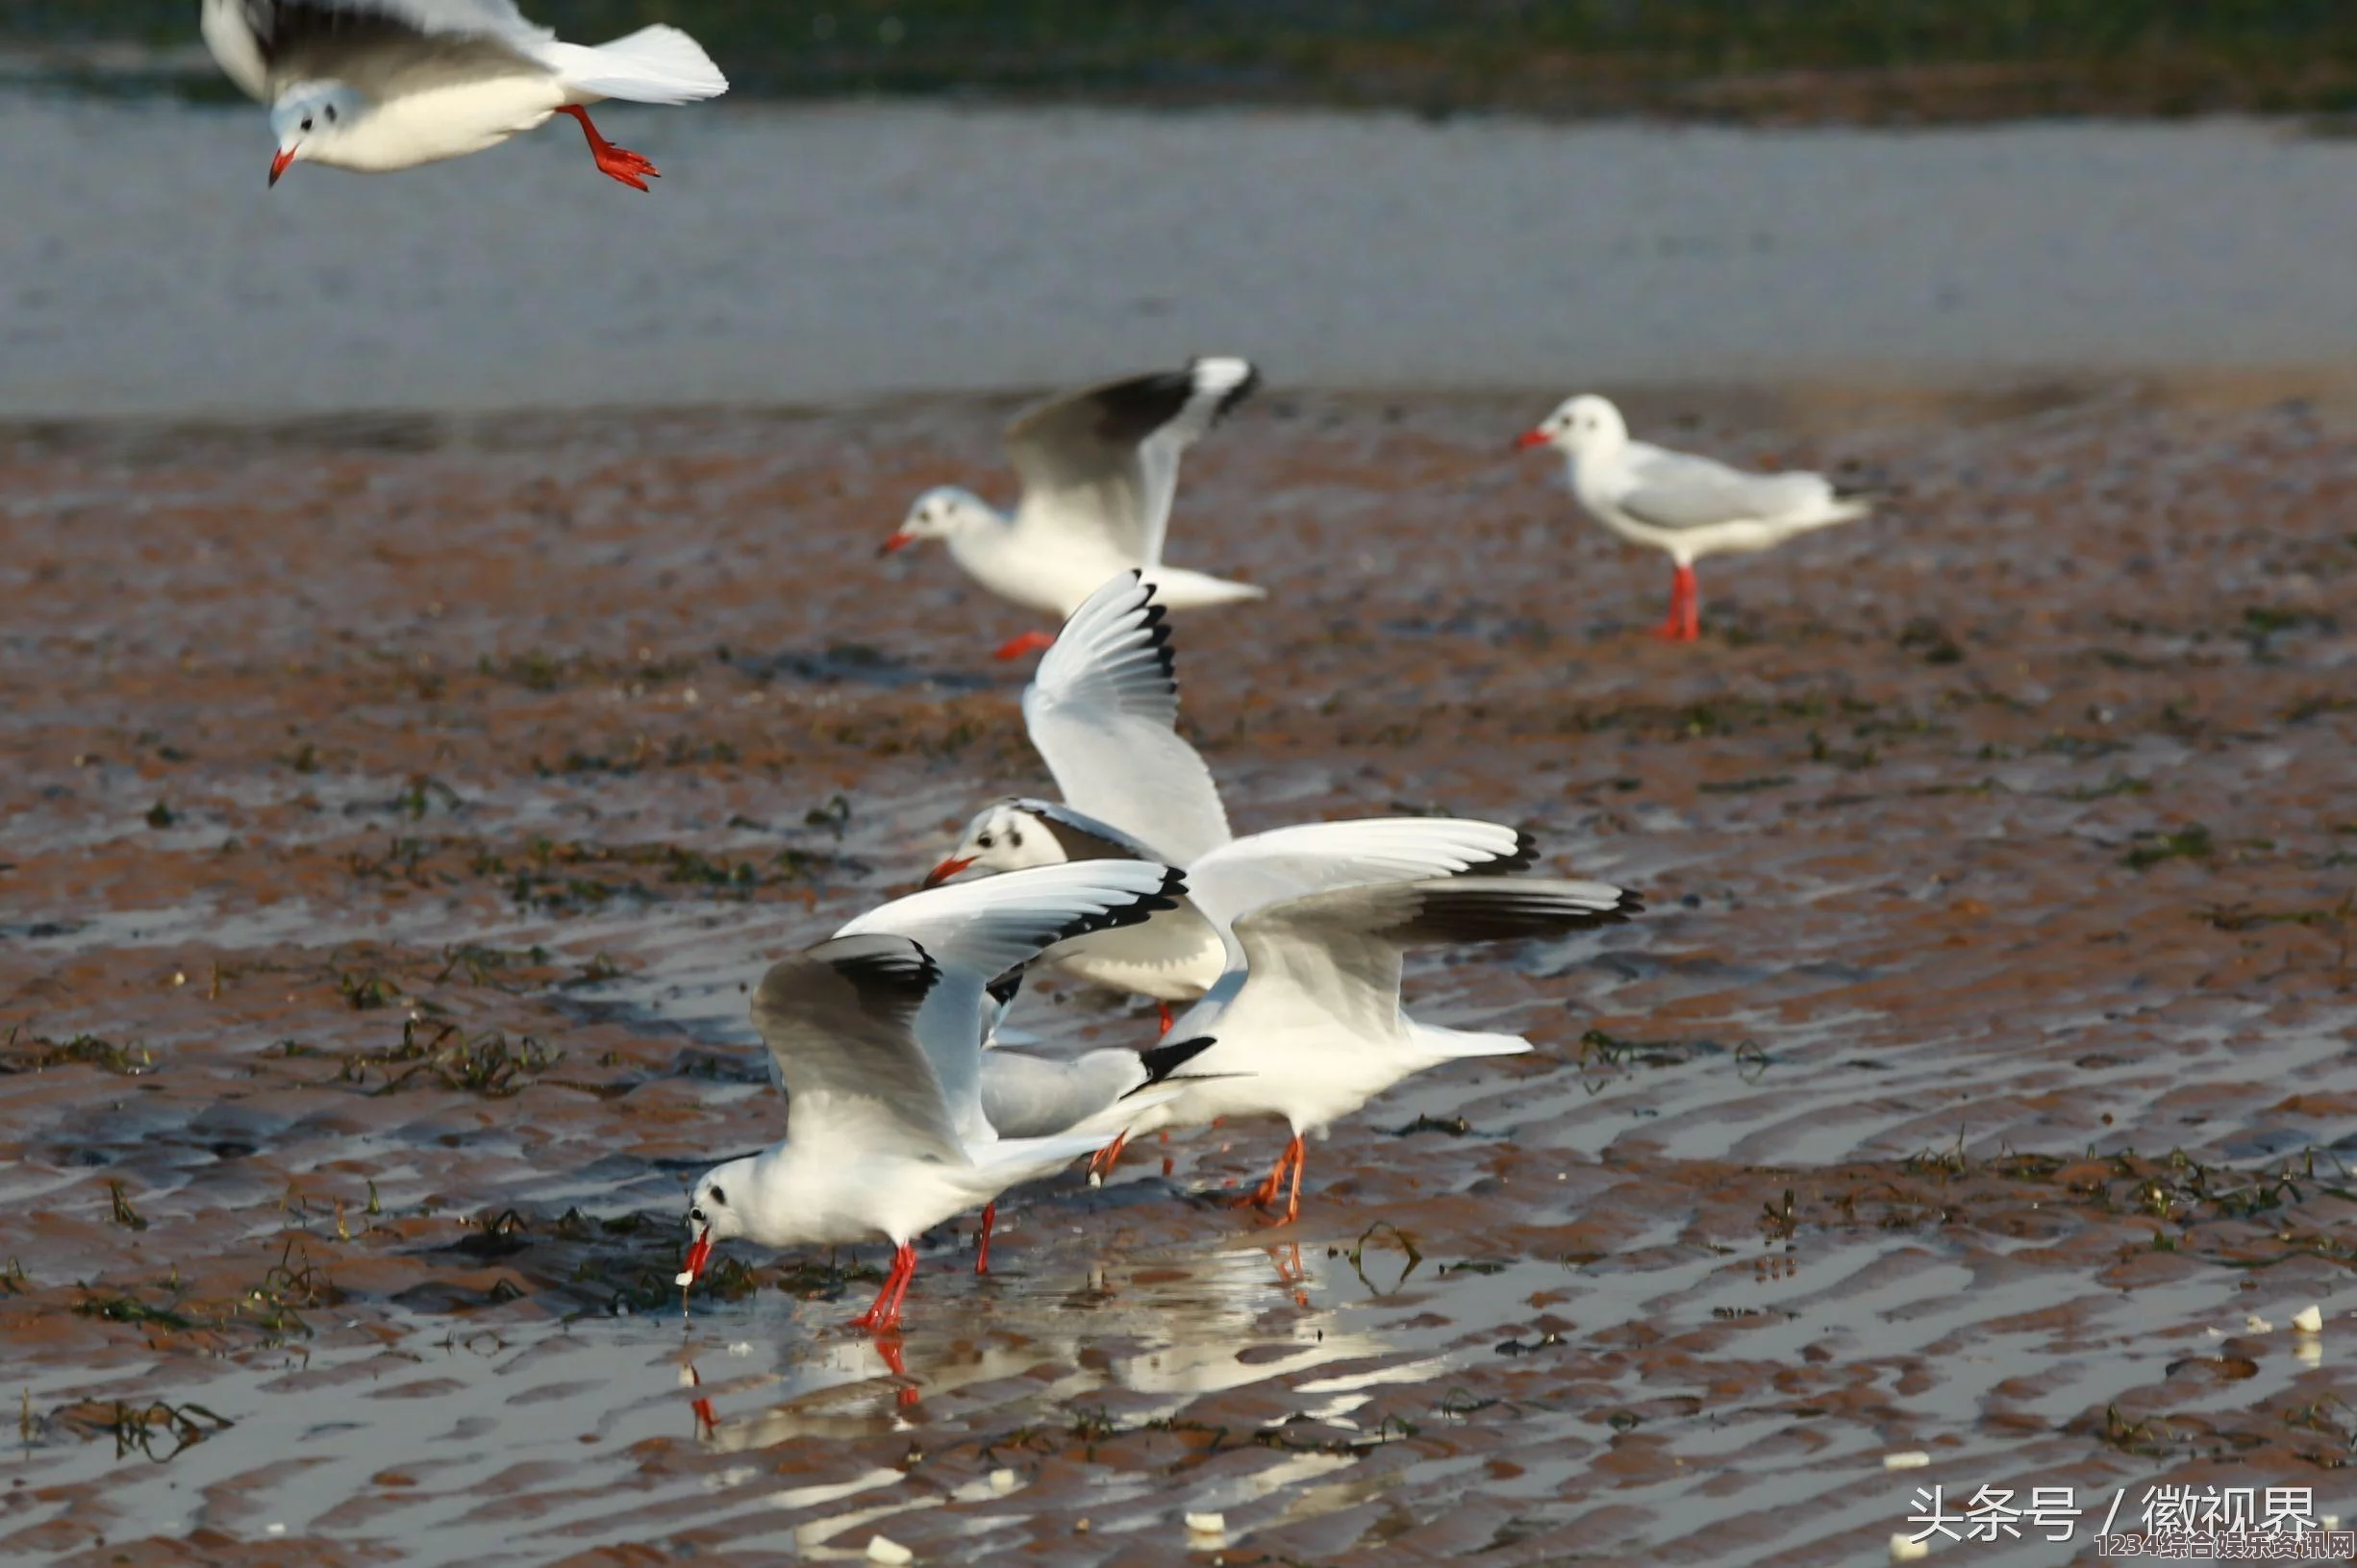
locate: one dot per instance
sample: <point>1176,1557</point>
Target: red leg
<point>1684,607</point>
<point>981,1253</point>
<point>880,1314</point>
<point>1262,1196</point>
<point>1030,642</point>
<point>1101,1163</point>
<point>1164,1007</point>
<point>618,163</point>
<point>908,1271</point>
<point>1301,1158</point>
<point>1693,608</point>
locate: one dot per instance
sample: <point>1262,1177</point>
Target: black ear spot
<point>1015,838</point>
<point>331,113</point>
<point>719,1197</point>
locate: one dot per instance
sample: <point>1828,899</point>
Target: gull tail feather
<point>657,65</point>
<point>1459,1042</point>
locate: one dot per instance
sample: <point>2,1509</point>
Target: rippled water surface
<point>401,807</point>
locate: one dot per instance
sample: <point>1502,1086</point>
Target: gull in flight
<point>380,85</point>
<point>1099,470</point>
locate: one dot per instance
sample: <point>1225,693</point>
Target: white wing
<point>975,931</point>
<point>1338,952</point>
<point>1102,713</point>
<point>1264,869</point>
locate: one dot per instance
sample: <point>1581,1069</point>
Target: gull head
<point>714,1216</point>
<point>1580,425</point>
<point>308,119</point>
<point>940,513</point>
<point>1002,838</point>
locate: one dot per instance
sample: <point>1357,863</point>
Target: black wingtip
<point>1167,1058</point>
<point>1154,618</point>
<point>1526,854</point>
<point>1137,911</point>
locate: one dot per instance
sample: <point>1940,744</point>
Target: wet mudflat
<point>398,810</point>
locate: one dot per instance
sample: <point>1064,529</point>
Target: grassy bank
<point>1841,59</point>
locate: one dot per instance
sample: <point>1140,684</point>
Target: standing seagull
<point>876,1036</point>
<point>1689,506</point>
<point>1099,469</point>
<point>382,84</point>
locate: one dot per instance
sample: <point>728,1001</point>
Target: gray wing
<point>1107,458</point>
<point>1102,713</point>
<point>839,1021</point>
<point>1342,950</point>
<point>977,931</point>
<point>1037,1097</point>
<point>376,45</point>
<point>1677,489</point>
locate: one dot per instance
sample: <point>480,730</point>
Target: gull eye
<point>698,1215</point>
<point>983,842</point>
<point>306,122</point>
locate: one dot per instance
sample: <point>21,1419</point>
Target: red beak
<point>698,1254</point>
<point>281,163</point>
<point>1530,437</point>
<point>898,541</point>
<point>947,869</point>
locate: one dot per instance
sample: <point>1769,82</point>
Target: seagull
<point>1308,1024</point>
<point>875,1034</point>
<point>1101,712</point>
<point>1099,469</point>
<point>1689,506</point>
<point>382,84</point>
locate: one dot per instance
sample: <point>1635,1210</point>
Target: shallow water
<point>816,255</point>
<point>1949,1095</point>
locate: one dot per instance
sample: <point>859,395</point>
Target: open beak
<point>947,869</point>
<point>1530,438</point>
<point>898,541</point>
<point>698,1254</point>
<point>281,163</point>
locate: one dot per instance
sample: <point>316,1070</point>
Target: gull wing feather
<point>1263,869</point>
<point>378,46</point>
<point>1339,951</point>
<point>1102,713</point>
<point>839,1021</point>
<point>1105,460</point>
<point>975,931</point>
<point>1678,490</point>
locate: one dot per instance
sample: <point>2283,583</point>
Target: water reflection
<point>1174,1332</point>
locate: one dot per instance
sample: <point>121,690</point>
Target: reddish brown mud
<point>397,810</point>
